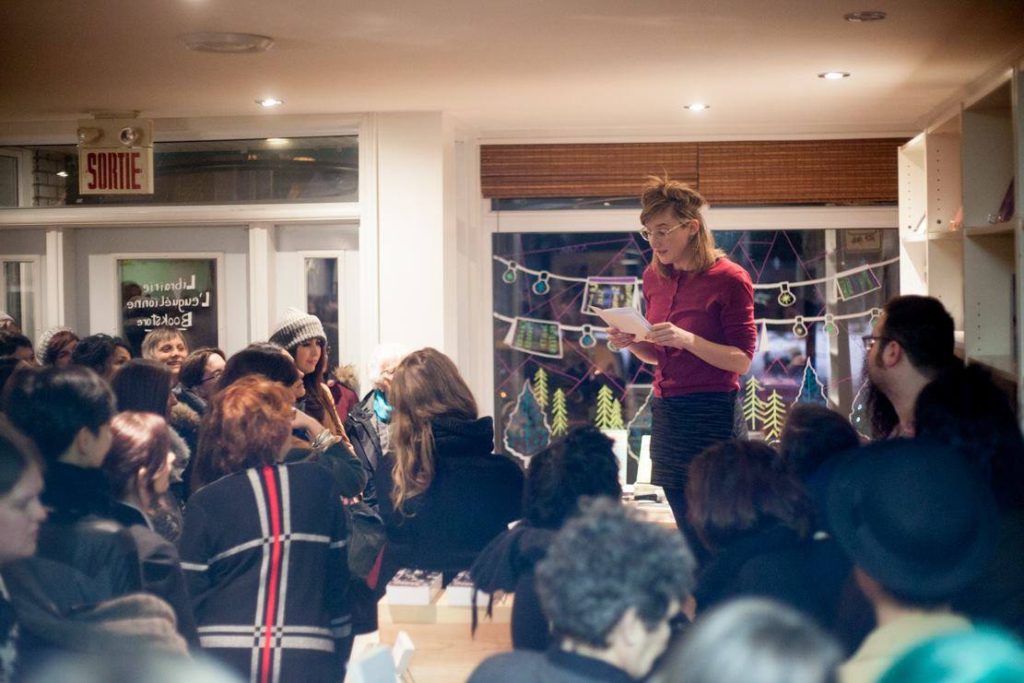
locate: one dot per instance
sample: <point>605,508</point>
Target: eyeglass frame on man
<point>648,236</point>
<point>870,340</point>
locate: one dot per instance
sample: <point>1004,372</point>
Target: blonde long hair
<point>686,205</point>
<point>426,386</point>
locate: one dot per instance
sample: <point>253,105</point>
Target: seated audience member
<point>266,541</point>
<point>754,518</point>
<point>21,513</point>
<point>56,346</point>
<point>144,386</point>
<point>911,343</point>
<point>812,437</point>
<point>580,466</point>
<point>310,440</point>
<point>166,345</point>
<point>964,409</point>
<point>442,492</point>
<point>367,423</point>
<point>197,381</point>
<point>751,640</point>
<point>138,467</point>
<point>16,345</point>
<point>611,586</point>
<point>920,525</point>
<point>986,655</point>
<point>303,337</point>
<point>66,413</point>
<point>101,354</point>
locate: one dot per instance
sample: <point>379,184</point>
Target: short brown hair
<point>686,204</point>
<point>735,486</point>
<point>139,440</point>
<point>157,335</point>
<point>194,366</point>
<point>247,426</point>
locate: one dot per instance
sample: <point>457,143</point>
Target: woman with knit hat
<point>303,337</point>
<point>56,346</point>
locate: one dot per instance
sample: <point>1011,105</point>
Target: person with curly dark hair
<point>580,466</point>
<point>611,585</point>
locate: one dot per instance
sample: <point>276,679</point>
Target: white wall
<point>416,228</point>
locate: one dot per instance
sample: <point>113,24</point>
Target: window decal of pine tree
<point>859,417</point>
<point>774,417</point>
<point>540,387</point>
<point>606,417</point>
<point>559,414</point>
<point>617,421</point>
<point>753,406</point>
<point>527,432</point>
<point>811,388</point>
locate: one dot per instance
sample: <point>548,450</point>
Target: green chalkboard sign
<point>169,292</point>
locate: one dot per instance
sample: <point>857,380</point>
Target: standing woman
<point>701,306</point>
<point>166,345</point>
<point>265,545</point>
<point>303,337</point>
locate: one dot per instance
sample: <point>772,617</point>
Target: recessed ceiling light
<point>227,43</point>
<point>697,106</point>
<point>834,75</point>
<point>269,102</point>
<point>62,174</point>
<point>865,16</point>
<point>277,142</point>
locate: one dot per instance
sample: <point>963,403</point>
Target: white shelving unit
<point>971,258</point>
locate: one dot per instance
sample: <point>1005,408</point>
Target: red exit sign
<point>115,171</point>
<point>115,156</point>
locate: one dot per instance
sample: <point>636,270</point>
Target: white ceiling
<point>526,68</point>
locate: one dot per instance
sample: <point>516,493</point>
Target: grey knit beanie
<point>44,341</point>
<point>296,327</point>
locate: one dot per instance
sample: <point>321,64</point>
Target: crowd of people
<point>251,508</point>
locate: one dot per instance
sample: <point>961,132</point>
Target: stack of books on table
<point>459,593</point>
<point>414,587</point>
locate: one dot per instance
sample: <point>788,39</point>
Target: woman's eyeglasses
<point>660,234</point>
<point>213,377</point>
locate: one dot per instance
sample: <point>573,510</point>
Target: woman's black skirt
<point>682,427</point>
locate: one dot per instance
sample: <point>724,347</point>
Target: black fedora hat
<point>915,516</point>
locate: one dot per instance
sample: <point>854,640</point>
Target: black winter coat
<point>473,497</point>
<point>86,530</point>
<point>507,564</point>
<point>773,561</point>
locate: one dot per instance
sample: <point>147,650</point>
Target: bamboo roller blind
<point>773,172</point>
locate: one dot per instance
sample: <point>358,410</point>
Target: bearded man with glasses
<point>911,343</point>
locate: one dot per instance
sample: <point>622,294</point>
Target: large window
<point>815,294</point>
<point>278,170</point>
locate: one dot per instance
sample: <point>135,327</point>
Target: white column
<point>261,280</point>
<point>53,311</point>
<point>416,229</point>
